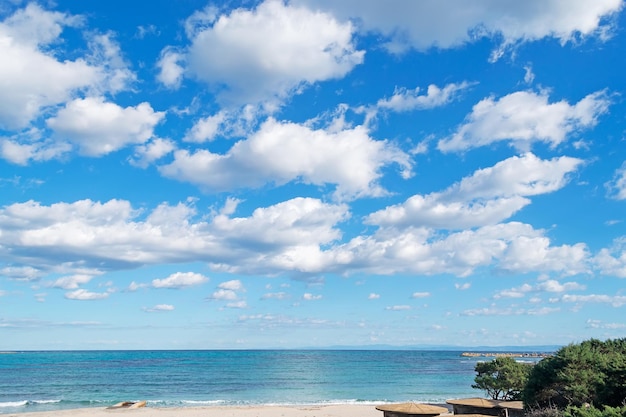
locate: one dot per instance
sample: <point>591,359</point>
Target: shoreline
<point>338,410</point>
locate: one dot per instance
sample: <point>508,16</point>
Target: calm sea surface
<point>37,381</point>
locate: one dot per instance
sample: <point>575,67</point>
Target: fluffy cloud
<point>180,280</point>
<point>612,261</point>
<point>269,52</point>
<point>283,152</point>
<point>72,282</point>
<point>488,196</point>
<point>34,75</point>
<point>31,77</point>
<point>407,100</point>
<point>522,118</point>
<point>113,235</point>
<point>298,236</point>
<point>511,247</point>
<point>170,68</point>
<point>446,24</point>
<point>98,127</point>
<point>152,151</point>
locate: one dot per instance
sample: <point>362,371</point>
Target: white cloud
<point>296,236</point>
<point>550,286</point>
<point>522,118</point>
<point>463,287</point>
<point>237,304</point>
<point>420,295</point>
<point>446,24</point>
<point>180,280</point>
<point>614,300</point>
<point>555,286</point>
<point>281,152</point>
<point>223,294</point>
<point>617,186</point>
<point>152,151</point>
<point>232,285</point>
<point>611,265</point>
<point>170,69</point>
<point>98,127</point>
<point>511,311</point>
<point>21,273</point>
<point>84,295</point>
<point>513,247</point>
<point>311,297</point>
<point>269,52</point>
<point>488,196</point>
<point>398,308</point>
<point>160,307</point>
<point>31,77</point>
<point>20,153</point>
<point>597,324</point>
<point>407,100</point>
<point>275,296</point>
<point>115,76</point>
<point>373,296</point>
<point>72,282</point>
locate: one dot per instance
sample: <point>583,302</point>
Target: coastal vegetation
<point>502,378</point>
<point>586,379</point>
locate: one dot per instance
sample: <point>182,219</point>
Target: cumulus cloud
<point>170,69</point>
<point>488,196</point>
<point>269,52</point>
<point>373,296</point>
<point>72,282</point>
<point>511,247</point>
<point>281,152</point>
<point>31,77</point>
<point>406,100</point>
<point>232,285</point>
<point>152,151</point>
<point>180,280</point>
<point>445,24</point>
<point>311,297</point>
<point>298,236</point>
<point>99,127</point>
<point>522,118</point>
<point>35,74</point>
<point>612,261</point>
<point>85,295</point>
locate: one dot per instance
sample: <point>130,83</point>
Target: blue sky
<point>260,174</point>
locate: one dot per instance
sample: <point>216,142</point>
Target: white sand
<point>230,411</point>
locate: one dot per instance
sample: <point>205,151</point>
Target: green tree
<point>502,378</point>
<point>591,372</point>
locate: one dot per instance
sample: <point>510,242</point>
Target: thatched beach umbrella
<point>411,409</point>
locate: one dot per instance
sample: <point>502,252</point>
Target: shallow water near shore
<point>43,381</point>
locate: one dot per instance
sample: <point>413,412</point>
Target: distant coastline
<point>506,354</point>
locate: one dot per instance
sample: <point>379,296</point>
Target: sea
<point>55,380</point>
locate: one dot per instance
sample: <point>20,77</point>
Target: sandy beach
<point>230,411</point>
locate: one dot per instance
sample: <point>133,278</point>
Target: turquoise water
<point>37,381</point>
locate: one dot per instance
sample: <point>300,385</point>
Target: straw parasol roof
<point>413,409</point>
<point>475,402</point>
<point>513,405</point>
